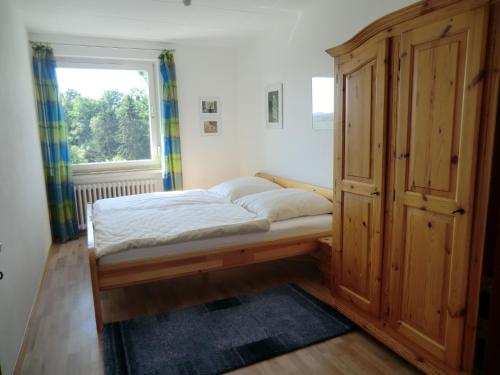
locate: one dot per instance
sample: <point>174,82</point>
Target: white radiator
<point>90,192</point>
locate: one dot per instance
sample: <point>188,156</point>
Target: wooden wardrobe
<point>415,111</point>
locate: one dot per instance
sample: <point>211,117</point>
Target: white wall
<point>293,57</point>
<point>24,222</point>
<point>207,71</point>
<point>201,71</point>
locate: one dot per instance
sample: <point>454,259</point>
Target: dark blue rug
<point>222,335</point>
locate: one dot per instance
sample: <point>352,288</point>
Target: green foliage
<point>134,136</point>
<point>112,128</point>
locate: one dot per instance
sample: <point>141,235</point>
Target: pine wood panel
<point>434,181</point>
<point>121,275</point>
<point>359,93</point>
<point>434,108</point>
<point>287,183</point>
<point>325,259</point>
<point>489,126</point>
<point>356,246</point>
<point>425,281</point>
<point>415,15</point>
<point>359,175</point>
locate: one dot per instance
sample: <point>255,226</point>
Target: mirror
<point>322,102</point>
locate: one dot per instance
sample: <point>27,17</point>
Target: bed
<point>136,265</point>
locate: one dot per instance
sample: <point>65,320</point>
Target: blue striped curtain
<point>55,149</point>
<point>171,161</point>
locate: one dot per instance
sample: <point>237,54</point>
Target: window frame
<point>155,117</point>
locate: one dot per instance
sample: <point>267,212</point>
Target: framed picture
<point>210,126</point>
<point>322,103</point>
<point>210,106</point>
<point>274,106</point>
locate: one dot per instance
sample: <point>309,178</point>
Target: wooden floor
<point>62,338</point>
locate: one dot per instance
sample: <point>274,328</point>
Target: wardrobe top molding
<point>405,19</point>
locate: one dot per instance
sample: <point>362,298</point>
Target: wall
<point>201,71</point>
<point>24,222</point>
<point>207,71</point>
<point>293,56</point>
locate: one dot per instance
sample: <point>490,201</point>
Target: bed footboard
<point>119,275</point>
<point>94,275</point>
<point>162,268</point>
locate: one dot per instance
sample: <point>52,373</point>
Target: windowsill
<point>80,172</point>
<point>112,175</point>
<point>116,167</point>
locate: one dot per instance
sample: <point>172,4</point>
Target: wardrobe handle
<point>460,211</point>
<point>375,193</point>
<point>1,275</point>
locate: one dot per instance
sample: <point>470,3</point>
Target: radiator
<point>90,192</point>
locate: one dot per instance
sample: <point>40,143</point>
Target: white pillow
<point>285,204</point>
<point>241,186</point>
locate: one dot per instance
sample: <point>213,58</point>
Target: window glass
<point>322,102</point>
<point>108,114</point>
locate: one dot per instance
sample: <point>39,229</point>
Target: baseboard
<point>22,348</point>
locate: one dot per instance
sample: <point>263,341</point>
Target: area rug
<point>220,336</point>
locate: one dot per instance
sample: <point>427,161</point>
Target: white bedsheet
<point>308,225</point>
<point>158,200</point>
<point>155,219</point>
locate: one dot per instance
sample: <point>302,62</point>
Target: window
<point>322,102</point>
<point>109,110</point>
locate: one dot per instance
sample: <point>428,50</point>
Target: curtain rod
<point>112,47</point>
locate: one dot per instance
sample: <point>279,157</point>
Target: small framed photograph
<point>274,106</point>
<point>210,106</point>
<point>210,126</point>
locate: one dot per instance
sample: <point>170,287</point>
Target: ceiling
<point>224,22</point>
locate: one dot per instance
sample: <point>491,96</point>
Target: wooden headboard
<point>327,193</point>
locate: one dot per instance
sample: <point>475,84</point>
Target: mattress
<point>308,225</point>
<point>158,219</point>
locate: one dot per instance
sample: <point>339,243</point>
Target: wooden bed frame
<point>119,275</point>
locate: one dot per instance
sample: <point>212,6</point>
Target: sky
<point>93,82</point>
<point>322,94</point>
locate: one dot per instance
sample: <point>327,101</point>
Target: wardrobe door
<point>437,130</point>
<point>359,169</point>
